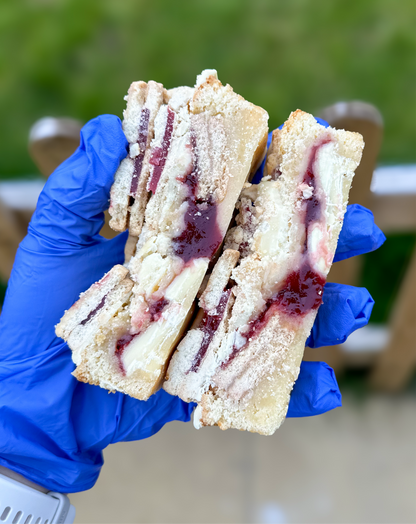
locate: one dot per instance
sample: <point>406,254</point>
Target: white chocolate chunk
<point>153,270</point>
<point>149,350</point>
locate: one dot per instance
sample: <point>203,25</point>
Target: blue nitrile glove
<point>52,427</point>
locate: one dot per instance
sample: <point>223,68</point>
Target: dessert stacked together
<point>191,153</point>
<point>242,356</point>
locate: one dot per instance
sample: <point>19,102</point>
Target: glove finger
<point>38,438</point>
<point>315,391</point>
<point>344,309</point>
<point>43,284</point>
<point>70,207</point>
<point>359,233</point>
<point>103,419</point>
<point>138,420</point>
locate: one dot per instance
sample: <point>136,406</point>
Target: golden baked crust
<point>244,377</point>
<point>195,148</point>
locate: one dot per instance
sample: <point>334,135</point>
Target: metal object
<point>21,504</point>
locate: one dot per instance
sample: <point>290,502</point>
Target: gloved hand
<point>53,428</point>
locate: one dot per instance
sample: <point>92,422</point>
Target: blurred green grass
<point>77,58</point>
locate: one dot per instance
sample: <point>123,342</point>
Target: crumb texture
<point>286,232</point>
<point>191,149</point>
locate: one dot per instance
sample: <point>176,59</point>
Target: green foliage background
<point>77,58</point>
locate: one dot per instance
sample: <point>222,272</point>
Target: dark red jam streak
<point>313,211</point>
<point>142,141</point>
<point>209,326</point>
<point>302,290</point>
<point>160,154</point>
<point>313,205</point>
<point>155,310</point>
<point>201,236</point>
<point>276,173</point>
<point>92,313</point>
<point>121,345</point>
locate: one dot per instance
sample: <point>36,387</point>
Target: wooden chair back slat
<point>395,365</point>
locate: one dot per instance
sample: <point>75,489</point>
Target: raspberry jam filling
<point>155,310</point>
<point>276,173</point>
<point>121,345</point>
<point>303,289</point>
<point>160,154</point>
<point>142,141</point>
<point>92,313</point>
<point>301,293</point>
<point>313,205</point>
<point>209,326</point>
<point>313,209</point>
<point>201,236</point>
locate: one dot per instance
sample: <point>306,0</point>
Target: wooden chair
<point>395,365</point>
<point>53,140</point>
<point>11,234</point>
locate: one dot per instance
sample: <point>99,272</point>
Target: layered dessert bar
<point>241,358</point>
<point>190,152</point>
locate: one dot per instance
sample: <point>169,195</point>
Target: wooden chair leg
<point>11,235</point>
<point>362,118</point>
<point>397,362</point>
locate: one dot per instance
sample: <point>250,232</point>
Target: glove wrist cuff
<point>21,503</point>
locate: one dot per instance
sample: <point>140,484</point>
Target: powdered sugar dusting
<point>283,238</point>
<point>211,144</point>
